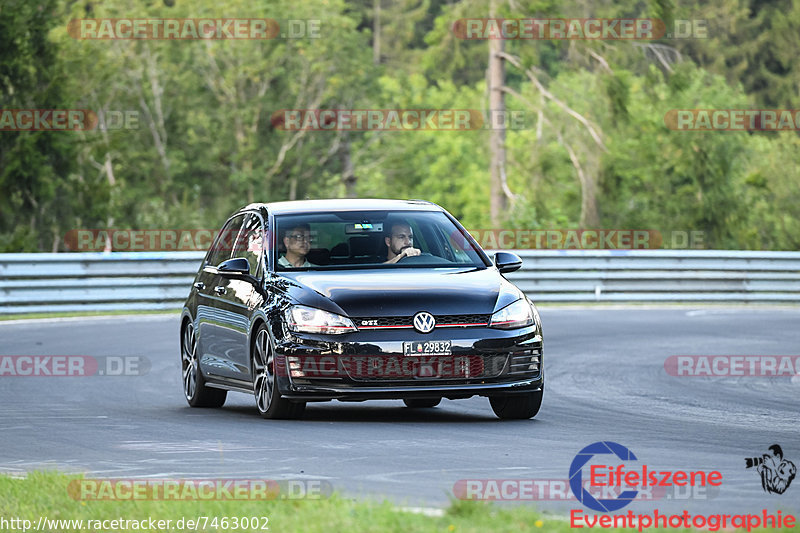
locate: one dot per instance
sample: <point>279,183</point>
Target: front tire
<point>194,384</point>
<point>517,406</point>
<point>269,402</point>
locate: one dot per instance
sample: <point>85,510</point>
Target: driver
<point>399,243</point>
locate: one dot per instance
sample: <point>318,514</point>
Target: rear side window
<point>250,243</point>
<point>223,246</point>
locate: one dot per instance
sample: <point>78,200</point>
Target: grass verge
<point>49,496</point>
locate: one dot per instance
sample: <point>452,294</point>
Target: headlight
<point>310,320</point>
<point>516,315</point>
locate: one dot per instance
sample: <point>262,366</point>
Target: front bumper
<point>451,392</point>
<point>368,365</point>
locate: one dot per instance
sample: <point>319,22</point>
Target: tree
<point>34,165</point>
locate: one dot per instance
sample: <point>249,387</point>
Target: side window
<point>250,243</point>
<point>221,250</point>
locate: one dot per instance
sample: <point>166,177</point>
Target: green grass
<point>46,494</point>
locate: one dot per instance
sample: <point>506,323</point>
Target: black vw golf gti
<point>356,300</point>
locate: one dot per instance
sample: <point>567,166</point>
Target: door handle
<point>199,285</point>
<point>219,289</point>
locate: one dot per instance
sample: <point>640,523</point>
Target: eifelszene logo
<point>628,481</point>
<point>776,472</point>
<point>576,476</point>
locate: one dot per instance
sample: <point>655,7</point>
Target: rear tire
<point>422,403</point>
<point>517,406</point>
<point>269,402</point>
<point>194,384</point>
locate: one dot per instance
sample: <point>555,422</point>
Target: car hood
<point>403,292</point>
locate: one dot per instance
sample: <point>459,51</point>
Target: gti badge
<point>424,322</point>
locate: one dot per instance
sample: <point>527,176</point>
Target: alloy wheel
<point>263,371</point>
<point>189,361</point>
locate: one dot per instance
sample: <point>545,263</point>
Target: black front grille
<point>463,320</point>
<point>377,369</point>
<point>384,369</point>
<point>408,321</point>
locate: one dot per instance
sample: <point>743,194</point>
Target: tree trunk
<point>376,32</point>
<point>497,150</point>
<point>348,175</point>
<point>589,215</point>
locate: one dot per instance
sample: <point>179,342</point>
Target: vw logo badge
<point>424,322</point>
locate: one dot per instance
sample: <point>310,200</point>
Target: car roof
<point>344,204</point>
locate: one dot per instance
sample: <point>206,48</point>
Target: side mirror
<point>238,265</point>
<point>507,262</point>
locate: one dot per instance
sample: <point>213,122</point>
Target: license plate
<point>428,348</point>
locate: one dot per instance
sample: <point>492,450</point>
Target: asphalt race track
<point>606,380</point>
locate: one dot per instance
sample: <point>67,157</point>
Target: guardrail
<point>123,281</point>
<point>659,276</point>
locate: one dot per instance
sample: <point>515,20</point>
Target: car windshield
<point>371,239</point>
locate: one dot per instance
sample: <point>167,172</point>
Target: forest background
<point>595,150</point>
